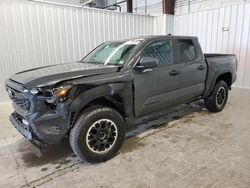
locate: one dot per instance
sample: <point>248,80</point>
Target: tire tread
<point>79,127</point>
<point>210,102</point>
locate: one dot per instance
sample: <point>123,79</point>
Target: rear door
<point>193,68</point>
<point>158,88</point>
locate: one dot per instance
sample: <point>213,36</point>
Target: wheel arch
<point>213,79</point>
<point>226,77</point>
<point>111,95</point>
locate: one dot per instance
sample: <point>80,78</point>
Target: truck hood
<point>50,75</point>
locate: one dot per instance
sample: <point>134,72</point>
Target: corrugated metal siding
<point>68,2</point>
<point>208,26</point>
<point>188,6</point>
<point>36,34</point>
<point>164,25</point>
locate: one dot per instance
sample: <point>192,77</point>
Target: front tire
<point>98,134</point>
<point>218,99</point>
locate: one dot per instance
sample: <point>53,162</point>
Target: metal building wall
<point>188,6</point>
<point>68,2</point>
<point>164,24</point>
<point>36,34</point>
<point>222,30</point>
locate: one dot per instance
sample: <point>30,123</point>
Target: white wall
<point>208,26</point>
<point>164,25</point>
<point>182,6</point>
<point>36,34</point>
<point>69,2</point>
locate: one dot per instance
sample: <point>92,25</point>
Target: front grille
<point>22,103</point>
<point>18,118</point>
<point>19,98</point>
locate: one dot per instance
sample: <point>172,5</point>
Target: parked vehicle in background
<point>94,101</point>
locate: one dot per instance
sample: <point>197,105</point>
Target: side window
<point>186,51</point>
<point>161,50</point>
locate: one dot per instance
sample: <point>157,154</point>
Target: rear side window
<point>186,51</point>
<point>161,50</point>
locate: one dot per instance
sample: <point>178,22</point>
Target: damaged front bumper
<point>20,126</point>
<point>37,121</point>
<point>24,130</point>
<point>48,128</point>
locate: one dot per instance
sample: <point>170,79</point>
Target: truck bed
<point>219,64</point>
<point>228,60</point>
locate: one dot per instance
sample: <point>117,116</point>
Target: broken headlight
<point>52,95</point>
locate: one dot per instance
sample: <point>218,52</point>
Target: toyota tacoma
<point>94,101</point>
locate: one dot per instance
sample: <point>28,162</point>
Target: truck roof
<point>154,37</point>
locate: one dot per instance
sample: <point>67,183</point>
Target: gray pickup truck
<point>95,101</point>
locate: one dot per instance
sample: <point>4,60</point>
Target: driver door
<point>157,88</point>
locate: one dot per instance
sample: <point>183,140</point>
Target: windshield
<point>111,53</point>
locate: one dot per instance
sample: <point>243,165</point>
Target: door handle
<point>201,67</point>
<point>174,73</point>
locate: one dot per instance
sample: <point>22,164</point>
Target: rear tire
<point>98,134</point>
<point>218,99</point>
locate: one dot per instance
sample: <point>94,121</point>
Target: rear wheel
<point>98,134</point>
<point>218,99</point>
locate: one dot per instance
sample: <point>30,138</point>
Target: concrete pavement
<point>186,147</point>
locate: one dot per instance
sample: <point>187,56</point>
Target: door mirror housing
<point>147,63</point>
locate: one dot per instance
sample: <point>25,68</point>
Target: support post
<point>130,6</point>
<point>168,6</point>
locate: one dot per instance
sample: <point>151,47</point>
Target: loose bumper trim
<point>24,130</point>
<point>21,128</point>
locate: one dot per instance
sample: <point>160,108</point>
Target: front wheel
<point>98,134</point>
<point>218,99</point>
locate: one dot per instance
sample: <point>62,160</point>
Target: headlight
<point>52,94</point>
<point>61,92</point>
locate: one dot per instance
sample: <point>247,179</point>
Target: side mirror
<point>147,63</point>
